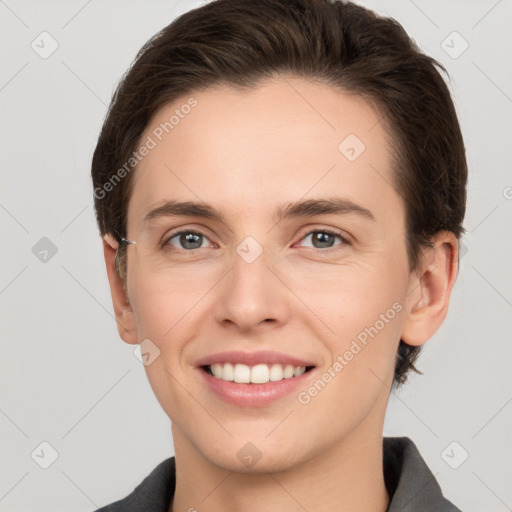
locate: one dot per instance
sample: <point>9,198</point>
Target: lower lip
<point>253,395</point>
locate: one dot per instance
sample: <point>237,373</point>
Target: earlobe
<point>125,319</point>
<point>430,290</point>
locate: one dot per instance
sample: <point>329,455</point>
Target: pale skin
<point>248,153</point>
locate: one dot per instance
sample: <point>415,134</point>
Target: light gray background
<point>69,380</point>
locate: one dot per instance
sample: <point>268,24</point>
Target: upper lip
<point>252,358</point>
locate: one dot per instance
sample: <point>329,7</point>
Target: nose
<point>251,296</point>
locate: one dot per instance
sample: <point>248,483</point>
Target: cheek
<point>157,307</point>
<point>163,314</point>
<point>352,297</point>
<point>168,308</point>
<point>367,324</point>
<point>362,307</point>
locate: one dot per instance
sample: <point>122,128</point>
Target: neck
<point>349,476</point>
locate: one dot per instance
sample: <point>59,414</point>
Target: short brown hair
<point>242,42</point>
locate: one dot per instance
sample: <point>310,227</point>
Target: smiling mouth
<point>257,374</point>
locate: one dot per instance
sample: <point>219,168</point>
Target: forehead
<point>286,139</point>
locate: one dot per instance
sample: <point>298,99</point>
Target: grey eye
<point>321,239</point>
<point>188,240</point>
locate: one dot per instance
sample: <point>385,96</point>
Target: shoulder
<point>154,493</point>
<point>410,483</point>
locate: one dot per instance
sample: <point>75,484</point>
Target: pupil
<point>190,238</point>
<point>321,238</point>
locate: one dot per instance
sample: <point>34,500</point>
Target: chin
<point>268,463</point>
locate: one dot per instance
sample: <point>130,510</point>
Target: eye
<point>188,240</point>
<point>324,238</point>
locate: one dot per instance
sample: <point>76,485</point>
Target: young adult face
<point>308,296</point>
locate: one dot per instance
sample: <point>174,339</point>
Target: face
<point>266,284</point>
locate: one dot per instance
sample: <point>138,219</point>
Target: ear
<point>430,290</point>
<point>125,318</point>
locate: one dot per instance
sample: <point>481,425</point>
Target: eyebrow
<point>301,208</point>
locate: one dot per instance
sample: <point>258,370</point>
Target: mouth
<point>254,379</point>
<point>255,374</point>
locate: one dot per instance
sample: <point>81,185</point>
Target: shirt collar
<point>410,484</point>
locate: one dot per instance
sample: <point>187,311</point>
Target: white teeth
<point>276,372</point>
<point>217,370</point>
<point>228,372</point>
<point>288,372</point>
<point>258,374</point>
<point>298,371</point>
<point>242,373</point>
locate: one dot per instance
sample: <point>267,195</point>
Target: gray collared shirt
<point>411,485</point>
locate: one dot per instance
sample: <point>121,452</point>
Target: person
<point>280,187</point>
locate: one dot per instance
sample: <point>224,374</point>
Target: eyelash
<point>166,246</point>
